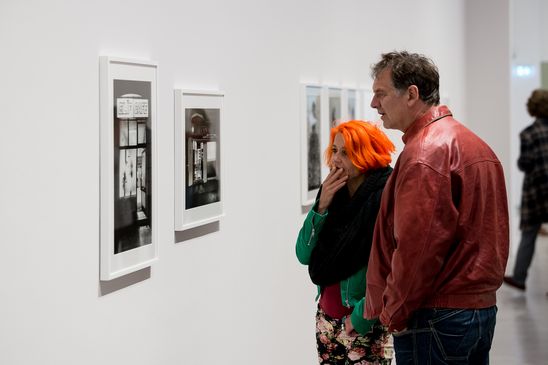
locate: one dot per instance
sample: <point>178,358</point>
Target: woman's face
<point>339,158</point>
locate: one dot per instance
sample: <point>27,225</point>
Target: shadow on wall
<point>107,287</point>
<point>189,234</point>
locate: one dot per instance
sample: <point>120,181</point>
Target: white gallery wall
<point>235,293</point>
<point>543,13</point>
<point>526,54</point>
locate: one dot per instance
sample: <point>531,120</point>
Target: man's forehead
<point>379,86</point>
<point>382,81</point>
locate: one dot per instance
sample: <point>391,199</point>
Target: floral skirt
<point>335,347</point>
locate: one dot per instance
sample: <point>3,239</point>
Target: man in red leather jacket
<point>441,239</point>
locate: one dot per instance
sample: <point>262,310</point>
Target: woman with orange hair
<point>335,242</point>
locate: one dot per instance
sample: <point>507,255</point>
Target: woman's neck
<point>354,183</point>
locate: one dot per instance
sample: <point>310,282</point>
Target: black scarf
<point>344,243</point>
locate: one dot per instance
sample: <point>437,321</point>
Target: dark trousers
<point>447,337</point>
<point>525,253</point>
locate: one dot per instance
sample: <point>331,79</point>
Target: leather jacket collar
<point>433,114</point>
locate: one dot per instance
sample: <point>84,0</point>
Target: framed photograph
<point>335,106</point>
<point>198,157</point>
<point>128,104</point>
<point>351,105</point>
<point>314,140</point>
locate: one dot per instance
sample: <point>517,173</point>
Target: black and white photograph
<point>202,157</point>
<point>132,155</point>
<point>313,110</point>
<point>128,167</point>
<point>314,132</point>
<point>335,102</point>
<point>351,98</point>
<point>198,158</point>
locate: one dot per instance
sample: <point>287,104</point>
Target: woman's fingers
<point>337,177</point>
<point>329,176</point>
<point>334,174</point>
<point>338,185</point>
<point>332,183</point>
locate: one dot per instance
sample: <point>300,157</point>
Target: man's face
<point>390,103</point>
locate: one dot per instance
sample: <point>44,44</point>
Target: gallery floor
<point>521,334</point>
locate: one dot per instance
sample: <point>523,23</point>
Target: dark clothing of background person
<point>533,161</point>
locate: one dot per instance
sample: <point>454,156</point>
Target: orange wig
<point>366,145</point>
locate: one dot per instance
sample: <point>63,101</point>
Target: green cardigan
<point>352,288</point>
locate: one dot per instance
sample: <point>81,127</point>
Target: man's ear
<point>413,94</point>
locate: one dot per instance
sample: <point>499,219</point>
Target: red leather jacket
<point>441,237</point>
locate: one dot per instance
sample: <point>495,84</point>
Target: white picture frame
<point>198,158</point>
<point>350,104</point>
<point>128,168</point>
<point>314,139</point>
<point>336,107</point>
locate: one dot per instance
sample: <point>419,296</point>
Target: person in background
<point>440,245</point>
<point>533,161</point>
<point>335,241</point>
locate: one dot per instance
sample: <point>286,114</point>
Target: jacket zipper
<point>347,286</point>
<point>311,236</point>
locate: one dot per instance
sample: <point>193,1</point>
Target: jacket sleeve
<point>527,155</point>
<point>361,325</point>
<point>308,235</point>
<point>424,231</point>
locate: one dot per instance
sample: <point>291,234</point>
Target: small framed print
<point>351,102</point>
<point>314,140</point>
<point>198,158</point>
<point>335,107</point>
<point>128,104</point>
